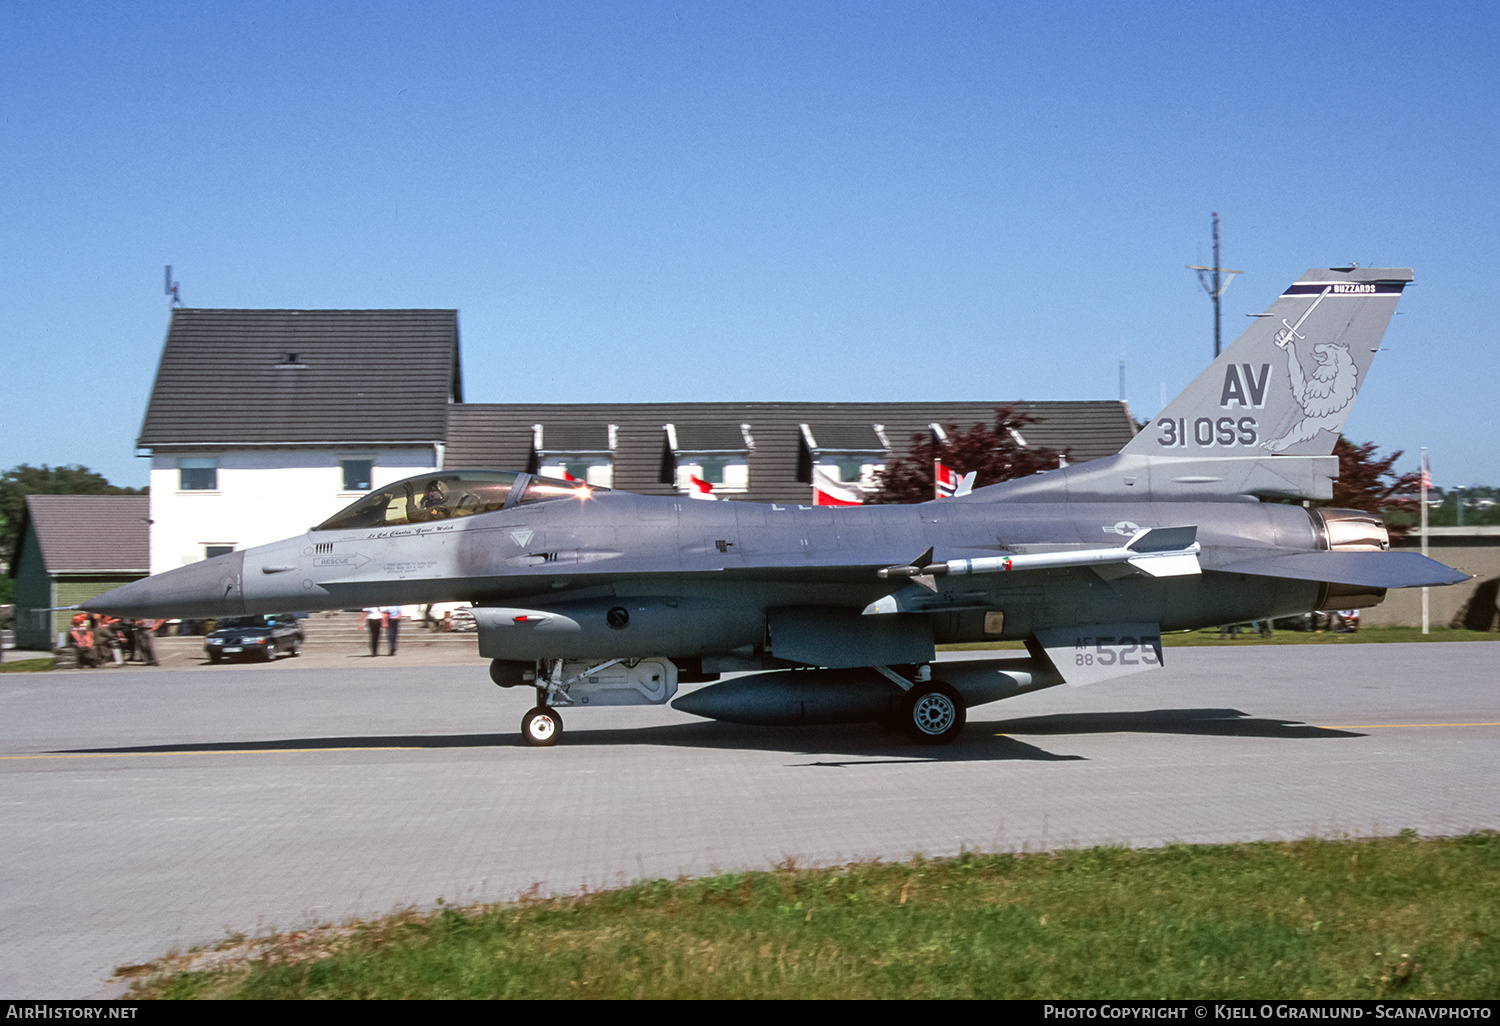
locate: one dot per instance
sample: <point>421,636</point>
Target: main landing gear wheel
<point>541,727</point>
<point>933,713</point>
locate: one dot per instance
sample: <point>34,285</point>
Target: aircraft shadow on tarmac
<point>1201,722</point>
<point>864,742</point>
<point>983,741</point>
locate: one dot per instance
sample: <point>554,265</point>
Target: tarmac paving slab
<point>147,810</point>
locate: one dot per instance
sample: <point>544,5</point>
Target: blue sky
<point>749,201</point>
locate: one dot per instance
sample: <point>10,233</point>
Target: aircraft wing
<point>1363,569</point>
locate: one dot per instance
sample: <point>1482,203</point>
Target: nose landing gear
<point>541,727</point>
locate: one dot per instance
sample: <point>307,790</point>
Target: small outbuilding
<point>72,548</point>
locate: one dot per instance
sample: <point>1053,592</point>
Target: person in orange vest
<point>107,640</point>
<point>82,640</point>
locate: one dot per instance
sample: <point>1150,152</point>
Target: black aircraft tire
<point>541,727</point>
<point>933,713</point>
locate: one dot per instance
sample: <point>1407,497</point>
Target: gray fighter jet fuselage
<point>601,597</point>
<point>723,566</point>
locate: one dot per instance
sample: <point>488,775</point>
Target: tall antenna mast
<point>174,289</point>
<point>1122,368</point>
<point>1211,284</point>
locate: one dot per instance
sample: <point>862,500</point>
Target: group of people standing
<point>387,617</point>
<point>106,640</point>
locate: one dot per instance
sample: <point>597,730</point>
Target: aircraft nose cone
<point>209,588</point>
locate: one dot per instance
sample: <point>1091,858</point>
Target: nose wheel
<point>541,727</point>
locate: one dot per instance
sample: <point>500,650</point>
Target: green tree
<point>1367,481</point>
<point>19,482</point>
<point>995,452</point>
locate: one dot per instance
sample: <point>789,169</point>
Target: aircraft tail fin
<point>1284,388</point>
<point>1261,421</point>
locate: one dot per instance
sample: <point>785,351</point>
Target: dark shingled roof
<point>499,436</point>
<point>292,377</point>
<point>91,533</point>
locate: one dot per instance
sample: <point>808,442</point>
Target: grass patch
<point>1396,917</point>
<point>26,665</point>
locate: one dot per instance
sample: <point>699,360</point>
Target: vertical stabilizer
<point>1284,388</point>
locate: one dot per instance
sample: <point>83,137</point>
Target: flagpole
<point>1426,479</point>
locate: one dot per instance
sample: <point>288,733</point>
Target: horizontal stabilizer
<point>1362,569</point>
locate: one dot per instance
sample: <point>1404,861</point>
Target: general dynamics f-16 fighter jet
<point>599,597</point>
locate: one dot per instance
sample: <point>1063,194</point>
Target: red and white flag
<point>700,489</point>
<point>949,483</point>
<point>828,492</point>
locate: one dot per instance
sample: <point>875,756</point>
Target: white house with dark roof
<point>264,422</point>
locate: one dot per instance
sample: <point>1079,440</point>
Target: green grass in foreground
<point>26,665</point>
<point>1248,638</point>
<point>1398,917</point>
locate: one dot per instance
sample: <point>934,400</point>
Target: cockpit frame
<point>440,495</point>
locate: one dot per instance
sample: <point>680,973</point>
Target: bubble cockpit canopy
<point>444,495</point>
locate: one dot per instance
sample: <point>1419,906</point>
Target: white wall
<point>262,496</point>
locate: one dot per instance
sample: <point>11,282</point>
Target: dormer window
<point>715,455</point>
<point>582,453</point>
<point>850,454</point>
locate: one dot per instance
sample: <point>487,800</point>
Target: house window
<point>725,474</point>
<point>597,471</point>
<point>356,474</point>
<point>210,551</point>
<point>198,474</point>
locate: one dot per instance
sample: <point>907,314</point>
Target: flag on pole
<point>700,489</point>
<point>949,484</point>
<point>828,492</point>
<point>1426,480</point>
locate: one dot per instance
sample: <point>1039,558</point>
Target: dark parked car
<point>254,637</point>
